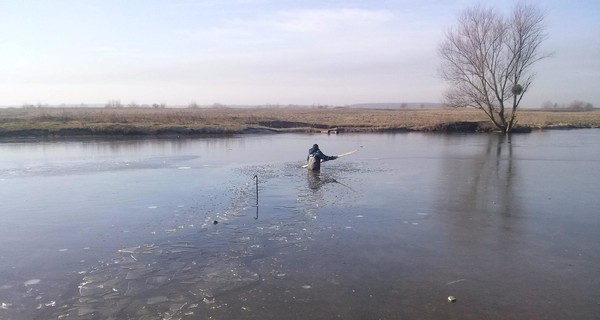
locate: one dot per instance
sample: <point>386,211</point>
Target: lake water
<point>170,229</point>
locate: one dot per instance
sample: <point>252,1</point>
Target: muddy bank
<point>139,122</point>
<point>264,128</point>
<point>181,131</point>
<point>113,131</point>
<point>458,127</point>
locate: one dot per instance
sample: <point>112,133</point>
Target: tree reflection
<point>316,180</point>
<point>482,181</point>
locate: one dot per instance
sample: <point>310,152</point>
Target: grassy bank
<point>35,122</point>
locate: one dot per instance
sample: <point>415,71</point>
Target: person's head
<point>315,146</point>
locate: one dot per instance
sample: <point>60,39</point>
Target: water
<point>169,229</point>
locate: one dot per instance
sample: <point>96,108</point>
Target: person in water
<point>315,157</point>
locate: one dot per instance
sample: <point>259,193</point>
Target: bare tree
<point>487,60</point>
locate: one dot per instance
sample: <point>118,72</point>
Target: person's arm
<point>326,157</point>
<point>321,155</point>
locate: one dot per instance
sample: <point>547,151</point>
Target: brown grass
<point>144,121</point>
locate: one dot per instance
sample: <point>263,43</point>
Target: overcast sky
<point>264,51</point>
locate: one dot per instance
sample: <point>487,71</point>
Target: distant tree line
<point>46,105</point>
<point>132,104</point>
<point>31,105</point>
<point>575,105</point>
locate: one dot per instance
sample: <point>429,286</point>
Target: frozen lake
<point>169,229</point>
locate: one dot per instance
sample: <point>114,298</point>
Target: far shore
<point>158,122</point>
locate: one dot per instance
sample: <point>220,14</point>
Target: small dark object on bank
<point>215,222</point>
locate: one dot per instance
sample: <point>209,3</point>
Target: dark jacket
<point>318,154</point>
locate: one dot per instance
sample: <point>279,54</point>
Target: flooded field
<point>171,229</point>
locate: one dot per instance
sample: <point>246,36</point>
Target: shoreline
<point>50,123</point>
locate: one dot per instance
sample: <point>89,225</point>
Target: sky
<point>258,52</point>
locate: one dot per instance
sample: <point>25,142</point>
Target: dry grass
<point>143,121</point>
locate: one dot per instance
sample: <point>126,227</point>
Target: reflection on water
<point>170,229</point>
<point>316,180</point>
<point>482,181</point>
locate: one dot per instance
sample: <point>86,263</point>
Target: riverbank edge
<point>145,122</point>
<point>184,131</point>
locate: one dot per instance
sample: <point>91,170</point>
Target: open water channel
<point>170,229</point>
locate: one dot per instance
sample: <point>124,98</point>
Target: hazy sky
<point>264,51</point>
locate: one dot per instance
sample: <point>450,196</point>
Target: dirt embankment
<point>118,122</point>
